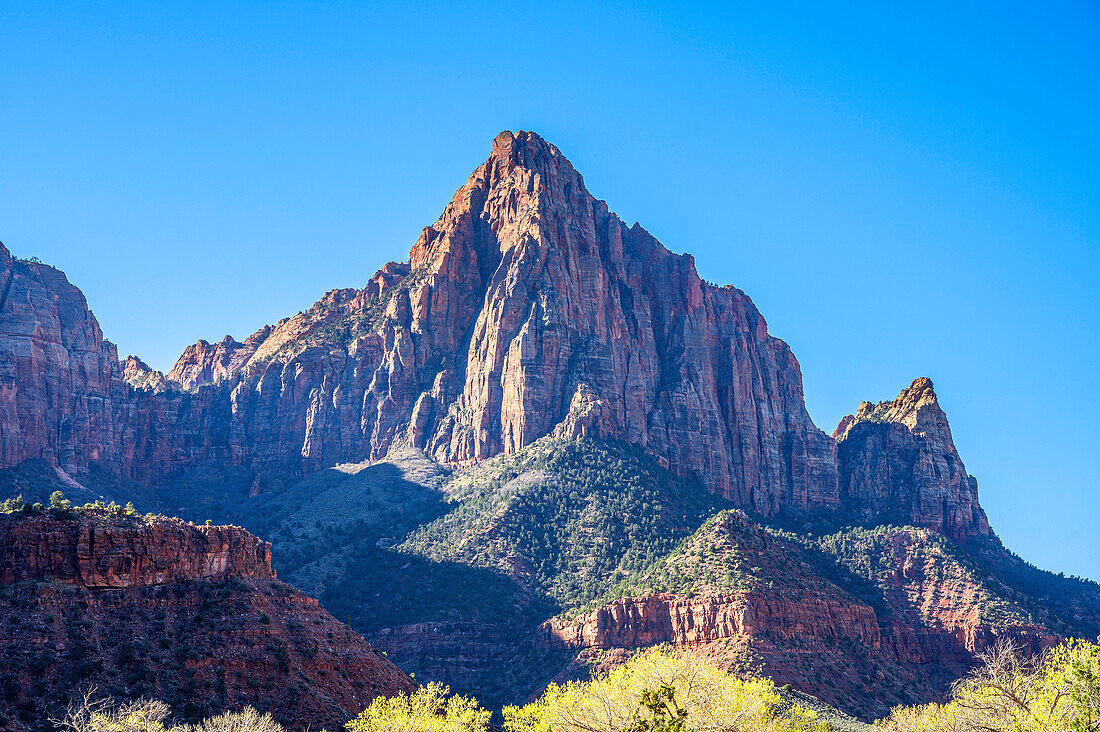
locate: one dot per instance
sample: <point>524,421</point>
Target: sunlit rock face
<point>897,458</point>
<point>528,308</point>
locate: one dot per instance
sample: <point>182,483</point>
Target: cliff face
<point>101,555</point>
<point>191,615</point>
<point>634,622</point>
<point>59,378</point>
<point>526,309</point>
<point>898,457</point>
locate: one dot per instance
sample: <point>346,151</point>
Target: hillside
<point>451,574</point>
<point>147,606</point>
<point>539,443</point>
<point>864,619</point>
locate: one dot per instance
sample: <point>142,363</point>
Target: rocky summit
<point>528,308</point>
<point>539,444</point>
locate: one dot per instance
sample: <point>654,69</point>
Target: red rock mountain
<point>528,308</point>
<point>899,457</point>
<point>736,591</point>
<point>190,614</point>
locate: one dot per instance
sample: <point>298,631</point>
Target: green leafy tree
<point>662,713</point>
<point>430,708</point>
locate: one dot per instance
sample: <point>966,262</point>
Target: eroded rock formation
<point>101,554</point>
<point>189,614</point>
<point>898,459</point>
<point>528,308</point>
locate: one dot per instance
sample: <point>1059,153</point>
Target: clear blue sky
<point>904,189</point>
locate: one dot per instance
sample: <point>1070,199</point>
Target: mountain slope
<point>459,596</point>
<point>536,418</point>
<point>863,618</point>
<point>194,615</point>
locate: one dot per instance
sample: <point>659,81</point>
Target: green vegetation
<point>1058,692</point>
<point>567,517</point>
<point>662,691</point>
<point>728,554</point>
<point>61,507</point>
<point>428,709</point>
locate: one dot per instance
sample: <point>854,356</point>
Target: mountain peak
<point>526,150</point>
<point>508,145</point>
<point>907,408</point>
<point>926,468</point>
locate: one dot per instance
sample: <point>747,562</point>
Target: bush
<point>428,709</point>
<point>13,505</point>
<point>246,720</point>
<point>1010,692</point>
<point>661,690</point>
<point>92,713</point>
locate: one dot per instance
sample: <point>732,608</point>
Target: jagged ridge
<point>527,308</point>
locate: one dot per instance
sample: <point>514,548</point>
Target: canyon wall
<point>128,552</point>
<point>527,308</point>
<point>157,608</point>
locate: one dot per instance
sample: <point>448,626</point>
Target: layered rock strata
<point>117,553</point>
<point>898,459</point>
<point>159,608</point>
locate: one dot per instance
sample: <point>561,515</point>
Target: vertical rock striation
<point>898,459</point>
<point>528,308</point>
<point>59,378</point>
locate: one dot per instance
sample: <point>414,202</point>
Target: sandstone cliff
<point>898,459</point>
<point>101,553</point>
<point>157,607</point>
<point>911,616</point>
<point>528,308</point>
<point>59,378</point>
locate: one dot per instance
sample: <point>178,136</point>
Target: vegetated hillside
<point>567,517</point>
<point>146,606</point>
<point>975,589</point>
<point>522,537</point>
<point>452,574</point>
<point>729,554</point>
<point>749,599</point>
<point>863,618</point>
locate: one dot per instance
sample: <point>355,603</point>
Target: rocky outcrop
<point>204,363</point>
<point>528,308</point>
<point>59,378</point>
<point>940,607</point>
<point>192,615</point>
<point>138,376</point>
<point>100,553</point>
<point>633,622</point>
<point>898,459</point>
